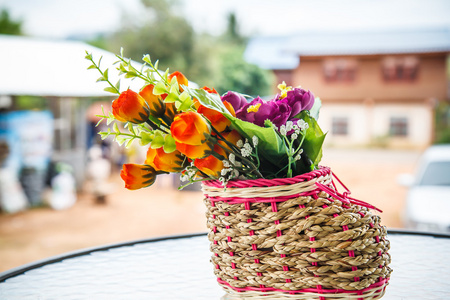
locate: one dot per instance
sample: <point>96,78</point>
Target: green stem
<point>253,169</point>
<point>103,74</point>
<point>154,126</point>
<point>138,73</point>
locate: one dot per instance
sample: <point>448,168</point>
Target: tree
<point>164,35</point>
<point>9,26</point>
<point>210,61</point>
<point>238,75</point>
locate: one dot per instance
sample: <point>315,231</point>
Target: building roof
<point>285,52</point>
<point>31,66</point>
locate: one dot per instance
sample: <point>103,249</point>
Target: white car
<point>428,201</point>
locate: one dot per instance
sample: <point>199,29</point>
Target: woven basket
<point>295,238</point>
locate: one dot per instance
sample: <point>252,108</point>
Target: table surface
<point>179,268</point>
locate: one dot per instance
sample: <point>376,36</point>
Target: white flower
<point>255,141</point>
<point>294,136</point>
<point>224,172</point>
<point>302,124</point>
<point>297,157</point>
<point>226,163</point>
<point>289,126</point>
<point>283,130</point>
<point>232,158</point>
<point>240,143</point>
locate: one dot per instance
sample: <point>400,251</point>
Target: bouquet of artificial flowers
<point>278,225</point>
<point>203,136</point>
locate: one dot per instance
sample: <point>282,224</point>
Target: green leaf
<point>92,67</point>
<point>316,108</point>
<point>116,128</point>
<point>131,128</point>
<point>314,138</point>
<point>209,100</point>
<point>171,98</point>
<point>128,144</point>
<point>160,88</point>
<point>146,138</point>
<point>185,105</point>
<point>158,140</point>
<point>110,119</point>
<point>130,74</point>
<point>101,78</point>
<point>169,144</point>
<point>110,89</point>
<point>147,59</point>
<point>270,145</point>
<point>105,74</point>
<point>88,55</point>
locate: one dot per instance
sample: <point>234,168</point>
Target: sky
<point>68,18</point>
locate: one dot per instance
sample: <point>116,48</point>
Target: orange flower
<point>210,90</point>
<point>171,111</point>
<point>181,79</point>
<point>138,176</point>
<point>168,162</point>
<point>232,137</point>
<point>217,119</point>
<point>213,166</point>
<point>193,152</point>
<point>155,103</point>
<point>190,128</point>
<point>210,165</point>
<point>130,107</point>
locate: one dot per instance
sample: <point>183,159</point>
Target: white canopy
<point>31,66</point>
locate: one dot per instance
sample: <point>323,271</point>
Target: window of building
<point>339,126</point>
<point>398,126</point>
<point>400,68</point>
<point>339,69</point>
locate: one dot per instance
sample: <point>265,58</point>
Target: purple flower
<point>280,112</point>
<point>255,112</point>
<point>236,100</point>
<point>298,99</point>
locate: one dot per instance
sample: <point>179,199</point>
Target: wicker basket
<point>295,238</point>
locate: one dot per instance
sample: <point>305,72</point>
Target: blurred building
<point>56,71</point>
<point>377,88</point>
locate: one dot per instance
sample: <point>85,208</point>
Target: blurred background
<point>381,69</point>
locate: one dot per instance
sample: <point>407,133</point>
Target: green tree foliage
<point>238,75</point>
<point>166,36</point>
<point>9,26</point>
<point>208,60</point>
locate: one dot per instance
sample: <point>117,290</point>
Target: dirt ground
<point>162,210</point>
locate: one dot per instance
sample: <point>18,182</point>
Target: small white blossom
<point>255,141</point>
<point>224,172</point>
<point>297,157</point>
<point>283,130</point>
<point>240,143</point>
<point>289,126</point>
<point>247,149</point>
<point>302,124</point>
<point>245,152</point>
<point>294,136</point>
<point>232,158</point>
<point>226,163</point>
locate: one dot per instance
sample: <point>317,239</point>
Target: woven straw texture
<point>290,237</point>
